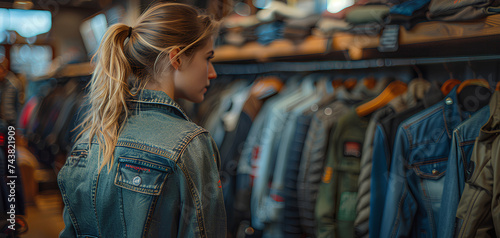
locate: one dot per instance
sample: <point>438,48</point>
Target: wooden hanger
<point>369,82</point>
<point>393,90</point>
<point>337,83</point>
<point>350,83</point>
<point>449,85</point>
<point>497,87</point>
<point>266,87</point>
<point>471,82</point>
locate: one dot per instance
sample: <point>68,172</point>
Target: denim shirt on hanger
<point>251,148</point>
<point>266,158</point>
<point>418,167</point>
<point>458,170</point>
<point>273,204</point>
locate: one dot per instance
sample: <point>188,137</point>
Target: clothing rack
<point>259,68</point>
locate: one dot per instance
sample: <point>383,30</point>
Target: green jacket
<point>336,204</point>
<point>479,208</point>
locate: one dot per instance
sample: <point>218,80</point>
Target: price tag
<point>389,39</point>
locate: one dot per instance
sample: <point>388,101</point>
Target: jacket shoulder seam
<point>185,141</point>
<point>421,116</point>
<point>146,148</point>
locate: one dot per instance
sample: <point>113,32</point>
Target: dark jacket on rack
<point>479,208</point>
<point>163,181</point>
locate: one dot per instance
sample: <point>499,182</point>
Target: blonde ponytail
<point>108,91</point>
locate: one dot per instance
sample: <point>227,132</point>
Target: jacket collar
<point>433,95</point>
<point>492,127</point>
<point>159,98</point>
<point>453,116</point>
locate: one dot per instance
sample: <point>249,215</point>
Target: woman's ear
<point>175,58</point>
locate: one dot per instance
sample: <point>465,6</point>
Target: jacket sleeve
<point>379,180</point>
<point>364,193</point>
<point>202,208</point>
<point>451,196</point>
<point>400,205</point>
<point>495,208</point>
<point>325,205</point>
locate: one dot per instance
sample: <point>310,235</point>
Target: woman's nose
<point>211,72</point>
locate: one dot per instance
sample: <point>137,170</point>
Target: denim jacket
<point>458,170</point>
<point>417,171</point>
<point>164,181</point>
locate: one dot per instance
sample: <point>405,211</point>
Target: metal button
<point>314,107</point>
<point>137,180</point>
<point>434,172</point>
<point>449,101</point>
<point>328,111</point>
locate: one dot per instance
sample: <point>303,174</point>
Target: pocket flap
<point>141,175</point>
<point>432,169</point>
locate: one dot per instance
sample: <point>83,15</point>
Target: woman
<point>140,166</point>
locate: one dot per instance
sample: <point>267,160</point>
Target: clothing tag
<point>352,149</point>
<point>327,176</point>
<point>137,168</point>
<point>389,39</point>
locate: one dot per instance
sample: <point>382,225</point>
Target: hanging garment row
<point>42,137</point>
<point>49,116</point>
<point>317,157</point>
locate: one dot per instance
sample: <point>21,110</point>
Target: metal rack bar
<point>259,68</point>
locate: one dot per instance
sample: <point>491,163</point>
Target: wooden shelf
<point>278,48</point>
<point>354,45</point>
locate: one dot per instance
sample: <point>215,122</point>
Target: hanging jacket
<point>335,209</point>
<point>382,153</point>
<point>416,90</point>
<point>163,180</point>
<point>417,170</point>
<point>462,145</point>
<point>479,208</point>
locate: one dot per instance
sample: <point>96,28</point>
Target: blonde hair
<point>132,55</point>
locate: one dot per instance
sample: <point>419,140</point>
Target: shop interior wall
<point>66,34</point>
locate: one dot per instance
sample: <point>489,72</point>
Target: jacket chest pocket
<point>141,176</point>
<point>431,174</point>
